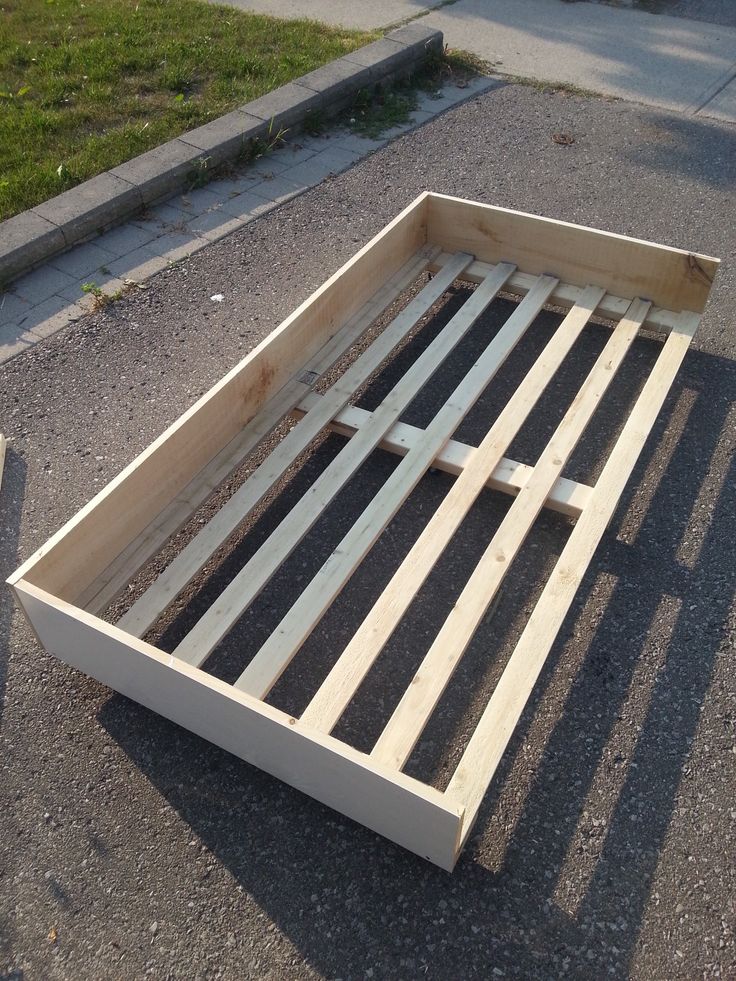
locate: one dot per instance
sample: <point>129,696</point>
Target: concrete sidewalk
<point>79,281</point>
<point>671,62</point>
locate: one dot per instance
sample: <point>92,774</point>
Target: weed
<point>101,299</point>
<point>374,111</point>
<point>200,175</point>
<point>315,122</point>
<point>555,88</point>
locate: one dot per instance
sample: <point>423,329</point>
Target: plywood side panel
<point>395,806</point>
<point>574,254</point>
<point>85,546</point>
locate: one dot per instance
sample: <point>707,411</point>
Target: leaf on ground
<point>564,139</point>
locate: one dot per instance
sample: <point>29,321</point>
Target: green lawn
<point>87,84</point>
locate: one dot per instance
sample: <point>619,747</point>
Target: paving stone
<point>25,240</point>
<point>82,259</point>
<point>78,294</point>
<point>198,201</point>
<point>126,238</point>
<point>320,166</point>
<point>178,245</point>
<point>227,137</point>
<point>50,316</point>
<point>140,264</point>
<point>164,218</point>
<point>228,187</point>
<point>421,116</point>
<point>268,166</point>
<point>92,206</point>
<point>163,170</point>
<point>432,103</point>
<point>14,340</point>
<point>357,143</point>
<point>248,206</point>
<point>215,224</point>
<point>39,285</point>
<point>277,189</point>
<point>13,308</point>
<point>286,156</point>
<point>285,107</point>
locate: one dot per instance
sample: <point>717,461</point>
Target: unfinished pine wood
<point>428,684</point>
<point>565,295</point>
<point>286,640</point>
<point>479,761</point>
<point>110,583</point>
<point>567,496</point>
<point>246,586</point>
<point>92,558</point>
<point>73,558</point>
<point>627,267</point>
<point>405,811</point>
<point>148,607</point>
<point>353,664</point>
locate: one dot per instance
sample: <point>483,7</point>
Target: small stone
<point>153,928</point>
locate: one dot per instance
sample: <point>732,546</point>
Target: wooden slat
<point>273,657</point>
<point>567,496</point>
<point>428,684</point>
<point>566,295</point>
<point>148,607</point>
<point>479,761</point>
<point>341,683</point>
<point>670,278</point>
<point>96,535</point>
<point>110,583</point>
<point>244,588</point>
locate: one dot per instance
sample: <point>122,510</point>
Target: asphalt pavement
<point>130,849</point>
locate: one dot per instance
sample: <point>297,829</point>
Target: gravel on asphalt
<point>130,848</point>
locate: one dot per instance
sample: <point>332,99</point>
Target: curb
<point>82,212</point>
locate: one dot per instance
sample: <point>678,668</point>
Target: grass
<point>88,84</point>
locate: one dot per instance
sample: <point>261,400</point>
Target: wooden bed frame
<point>68,583</point>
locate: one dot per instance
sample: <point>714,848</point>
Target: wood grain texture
<point>94,555</point>
<point>405,811</point>
<point>248,583</point>
<point>490,738</point>
<point>285,641</point>
<point>113,580</point>
<point>166,587</point>
<point>567,496</point>
<point>428,684</point>
<point>626,267</point>
<point>91,540</point>
<point>335,693</point>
